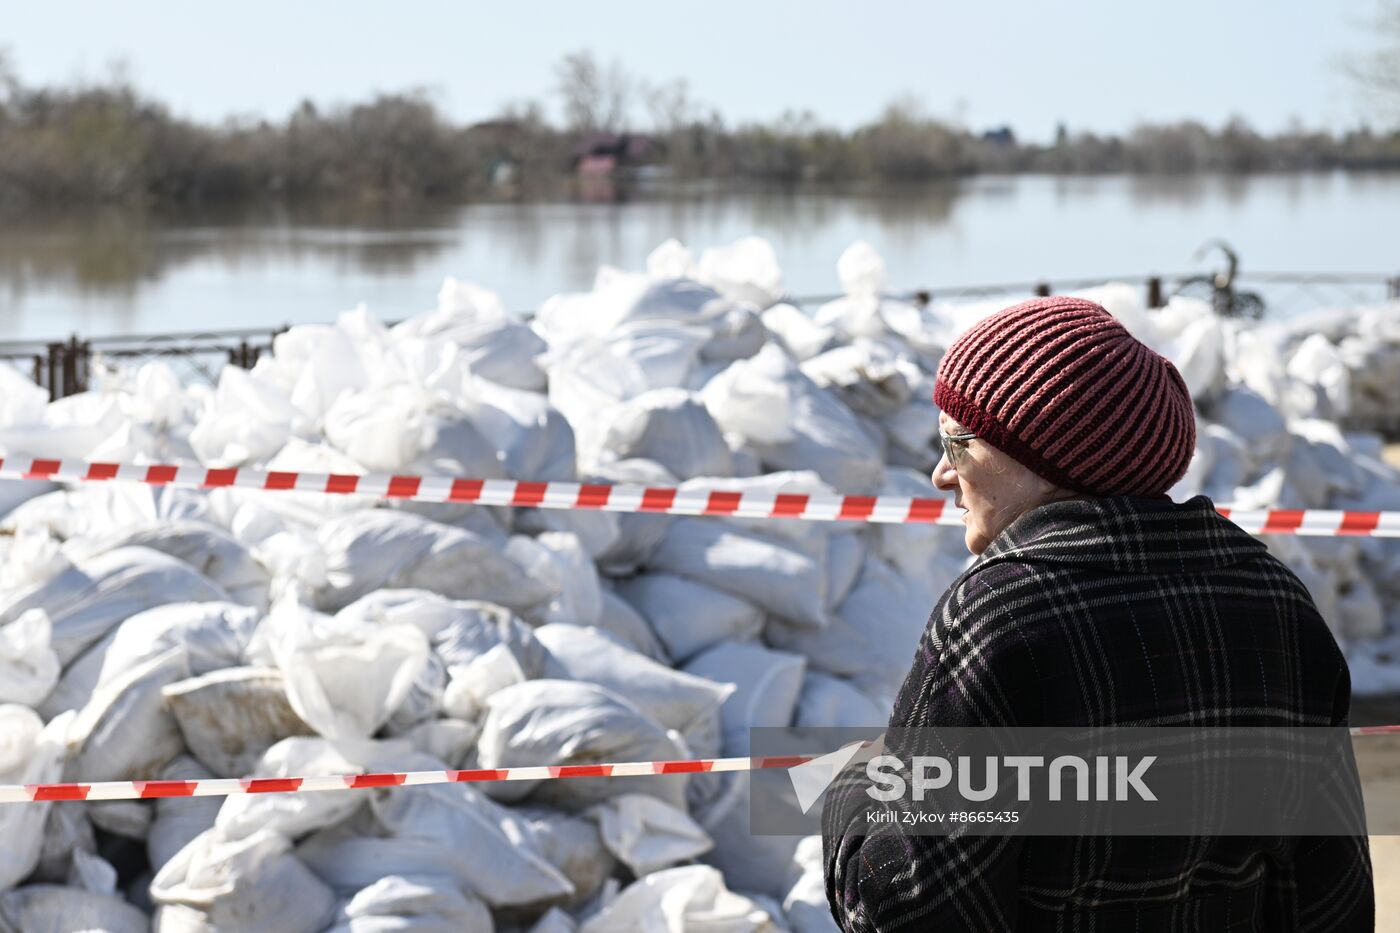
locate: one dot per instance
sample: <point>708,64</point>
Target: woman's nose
<point>944,476</point>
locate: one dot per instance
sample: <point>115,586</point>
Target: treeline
<point>108,143</point>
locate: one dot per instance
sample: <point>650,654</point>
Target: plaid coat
<point>1109,611</point>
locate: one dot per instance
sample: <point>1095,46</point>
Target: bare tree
<point>595,99</point>
<point>1378,72</point>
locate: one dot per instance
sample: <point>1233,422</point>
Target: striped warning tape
<point>623,498</point>
<point>225,787</point>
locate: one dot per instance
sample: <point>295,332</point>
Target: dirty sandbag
<point>179,820</point>
<point>229,718</point>
<point>424,698</point>
<point>28,664</point>
<point>377,548</point>
<point>572,844</point>
<point>66,832</point>
<point>501,870</point>
<point>687,616</point>
<point>830,702</point>
<point>638,533</point>
<point>125,732</point>
<point>87,601</point>
<point>792,423</point>
<point>765,684</point>
<point>30,753</point>
<point>670,427</point>
<point>772,573</point>
<point>764,862</point>
<point>647,834</point>
<point>213,634</point>
<point>556,722</point>
<point>478,627</point>
<point>344,682</point>
<point>692,897</point>
<point>205,547</point>
<point>628,626</point>
<point>51,908</point>
<point>873,634</point>
<point>413,904</point>
<point>676,700</point>
<point>254,883</point>
<point>291,815</point>
<point>559,561</point>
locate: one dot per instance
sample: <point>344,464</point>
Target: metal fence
<point>66,367</point>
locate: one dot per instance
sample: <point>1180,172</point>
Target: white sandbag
<point>50,908</point>
<point>254,883</point>
<point>125,732</point>
<point>423,701</point>
<point>28,664</point>
<point>377,548</point>
<point>1198,352</point>
<point>671,427</point>
<point>692,897</point>
<point>572,844</point>
<point>208,549</point>
<point>343,682</point>
<point>30,753</point>
<point>792,423</point>
<point>1362,615</point>
<point>638,533</point>
<point>1319,362</point>
<point>689,705</point>
<point>745,270</point>
<point>249,421</point>
<point>413,905</point>
<point>476,628</point>
<point>628,626</point>
<point>845,555</point>
<point>448,740</point>
<point>493,343</point>
<point>647,834</point>
<point>21,400</point>
<point>214,635</point>
<point>874,633</point>
<point>555,722</point>
<point>458,819</point>
<point>806,905</point>
<point>291,815</point>
<point>86,602</point>
<point>864,374</point>
<point>534,440</point>
<point>471,685</point>
<point>229,718</point>
<point>178,820</point>
<point>765,570</point>
<point>1258,424</point>
<point>766,686</point>
<point>687,616</point>
<point>92,873</point>
<point>739,334</point>
<point>763,486</point>
<point>799,334</point>
<point>555,920</point>
<point>597,531</point>
<point>861,270</point>
<point>830,702</point>
<point>558,561</point>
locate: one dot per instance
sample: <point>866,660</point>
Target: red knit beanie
<point>1063,388</point>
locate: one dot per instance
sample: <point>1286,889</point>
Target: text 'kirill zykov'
<point>933,773</point>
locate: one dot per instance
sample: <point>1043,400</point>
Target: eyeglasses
<point>953,446</point>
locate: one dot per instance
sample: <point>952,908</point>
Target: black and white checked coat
<point>1110,611</point>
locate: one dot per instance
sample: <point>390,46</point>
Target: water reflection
<point>115,270</point>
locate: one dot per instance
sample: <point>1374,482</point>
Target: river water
<point>119,272</point>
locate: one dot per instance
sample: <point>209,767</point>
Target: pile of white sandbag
<point>174,634</point>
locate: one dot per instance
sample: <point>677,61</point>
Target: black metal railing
<point>66,367</point>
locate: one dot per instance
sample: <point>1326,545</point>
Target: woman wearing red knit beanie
<point>1096,601</point>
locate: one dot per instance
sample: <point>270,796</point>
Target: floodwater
<point>119,272</point>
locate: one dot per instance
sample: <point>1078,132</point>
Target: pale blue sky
<point>1097,64</point>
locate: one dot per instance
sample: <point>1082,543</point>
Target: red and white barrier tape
<point>225,787</point>
<point>621,498</point>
